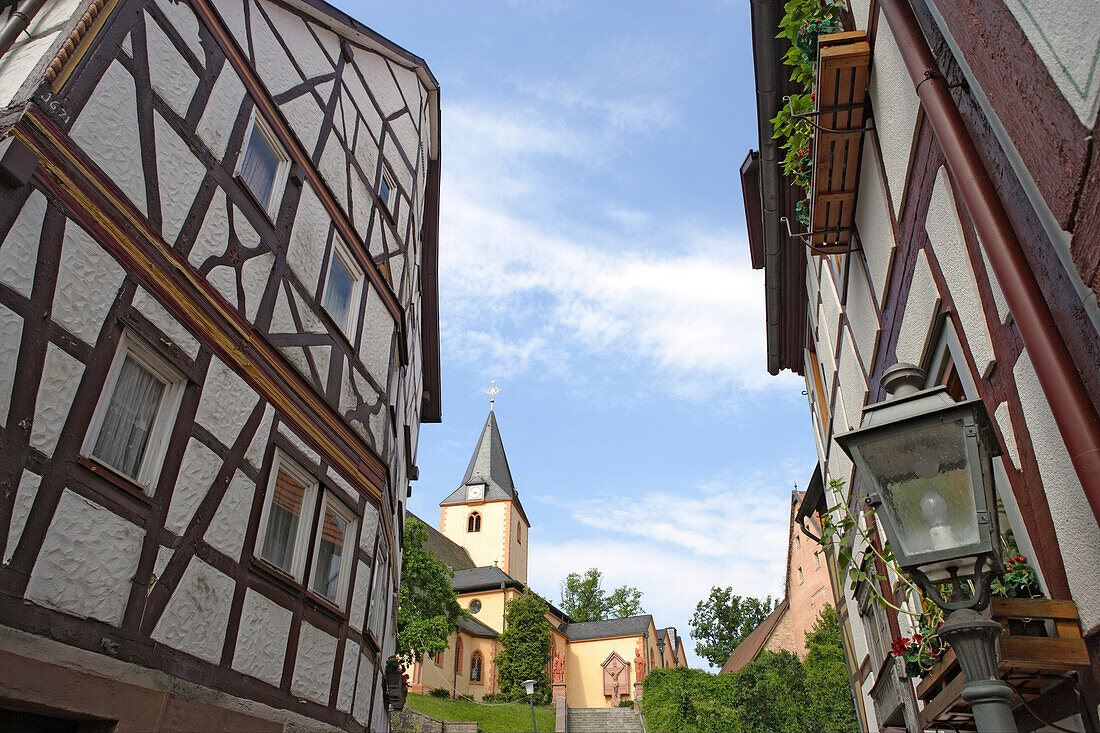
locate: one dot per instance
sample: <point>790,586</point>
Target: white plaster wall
<point>378,330</point>
<point>358,609</point>
<point>307,53</point>
<point>151,308</point>
<point>198,468</point>
<point>896,105</point>
<point>298,443</point>
<point>19,251</point>
<point>213,236</point>
<point>228,525</point>
<point>179,175</point>
<point>945,233</point>
<point>347,676</point>
<point>853,387</point>
<point>1003,312</point>
<point>186,24</point>
<point>226,402</point>
<point>107,130</point>
<point>876,230</point>
<point>225,102</point>
<point>860,309</point>
<point>87,561</point>
<point>272,63</point>
<point>262,638</point>
<point>256,449</point>
<point>21,509</point>
<point>61,375</point>
<point>1004,421</point>
<point>254,276</point>
<point>11,332</point>
<point>87,280</point>
<point>171,77</point>
<point>370,528</point>
<point>304,117</point>
<point>364,683</point>
<point>314,663</point>
<point>307,238</point>
<point>195,618</point>
<point>919,310</point>
<point>377,73</point>
<point>1076,528</point>
<point>1066,37</point>
<point>333,168</point>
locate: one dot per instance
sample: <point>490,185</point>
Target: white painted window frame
<point>347,557</point>
<point>278,183</point>
<point>281,461</point>
<point>341,250</point>
<point>174,382</point>
<point>391,190</point>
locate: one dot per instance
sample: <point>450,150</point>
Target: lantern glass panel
<point>927,488</point>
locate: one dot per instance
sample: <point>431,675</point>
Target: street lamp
<point>530,685</point>
<point>925,461</point>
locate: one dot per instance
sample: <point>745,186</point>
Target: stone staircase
<point>603,720</point>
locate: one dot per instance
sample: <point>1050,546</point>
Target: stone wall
<point>413,721</point>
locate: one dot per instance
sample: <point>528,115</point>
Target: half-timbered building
<point>218,340</point>
<point>953,212</point>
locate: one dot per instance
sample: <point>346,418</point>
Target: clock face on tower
<point>475,492</point>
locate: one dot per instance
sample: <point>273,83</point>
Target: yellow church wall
<point>584,673</point>
<point>518,533</point>
<point>492,606</point>
<point>486,547</point>
<point>427,675</point>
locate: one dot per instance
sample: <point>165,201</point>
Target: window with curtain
<point>289,502</point>
<point>137,406</point>
<point>262,164</point>
<point>339,294</point>
<point>330,568</point>
<point>124,434</point>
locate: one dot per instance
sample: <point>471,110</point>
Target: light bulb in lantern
<point>934,508</point>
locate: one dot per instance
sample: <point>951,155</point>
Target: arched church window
<point>458,655</point>
<point>475,667</point>
<point>519,533</point>
<point>473,522</point>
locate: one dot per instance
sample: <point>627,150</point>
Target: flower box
<point>840,92</point>
<point>394,690</point>
<point>1030,663</point>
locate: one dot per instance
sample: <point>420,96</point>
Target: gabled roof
<point>473,627</point>
<point>489,466</point>
<point>453,556</point>
<point>751,645</point>
<point>483,578</point>
<point>612,627</point>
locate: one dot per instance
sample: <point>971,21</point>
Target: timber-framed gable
<point>139,230</point>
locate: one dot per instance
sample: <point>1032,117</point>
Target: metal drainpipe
<point>20,18</point>
<point>1077,421</point>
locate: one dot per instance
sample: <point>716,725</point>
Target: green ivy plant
<point>803,22</point>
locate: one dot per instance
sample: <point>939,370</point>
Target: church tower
<point>483,514</point>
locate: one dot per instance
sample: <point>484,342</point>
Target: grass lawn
<point>495,718</point>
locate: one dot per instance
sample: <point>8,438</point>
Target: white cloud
<point>674,547</point>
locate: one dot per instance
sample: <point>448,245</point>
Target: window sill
<point>115,478</point>
<point>292,585</point>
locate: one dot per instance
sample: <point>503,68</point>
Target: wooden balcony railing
<point>1031,664</point>
<point>841,93</point>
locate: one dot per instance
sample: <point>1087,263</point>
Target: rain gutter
<point>20,18</point>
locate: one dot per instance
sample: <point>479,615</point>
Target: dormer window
<point>473,522</point>
<point>263,164</point>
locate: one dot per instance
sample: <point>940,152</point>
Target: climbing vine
<point>803,22</point>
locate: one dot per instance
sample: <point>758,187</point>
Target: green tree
<point>722,620</point>
<point>525,648</point>
<point>426,606</point>
<point>830,695</point>
<point>770,694</point>
<point>584,599</point>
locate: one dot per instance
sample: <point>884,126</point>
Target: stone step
<point>603,720</point>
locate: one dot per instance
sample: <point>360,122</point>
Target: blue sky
<point>593,261</point>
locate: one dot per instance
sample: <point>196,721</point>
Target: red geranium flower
<point>899,646</point>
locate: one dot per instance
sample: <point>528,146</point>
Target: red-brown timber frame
<point>1065,391</point>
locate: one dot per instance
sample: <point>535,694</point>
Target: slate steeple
<point>488,465</point>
